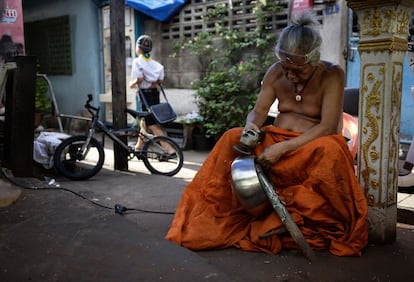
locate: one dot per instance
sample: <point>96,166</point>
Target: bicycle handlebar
<point>90,98</point>
<point>88,106</point>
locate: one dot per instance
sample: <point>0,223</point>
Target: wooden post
<point>118,71</point>
<point>382,47</point>
<point>19,117</point>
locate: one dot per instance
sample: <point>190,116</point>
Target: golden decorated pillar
<point>382,47</point>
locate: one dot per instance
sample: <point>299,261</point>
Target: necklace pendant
<point>298,98</point>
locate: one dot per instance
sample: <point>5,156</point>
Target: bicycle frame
<point>99,124</point>
<point>82,156</point>
<point>96,123</point>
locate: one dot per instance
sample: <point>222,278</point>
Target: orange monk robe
<point>316,182</point>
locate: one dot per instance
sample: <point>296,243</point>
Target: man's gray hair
<point>301,37</point>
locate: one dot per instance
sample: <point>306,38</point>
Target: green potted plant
<point>235,63</point>
<point>224,97</point>
<point>43,104</point>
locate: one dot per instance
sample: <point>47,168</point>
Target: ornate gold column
<point>382,47</point>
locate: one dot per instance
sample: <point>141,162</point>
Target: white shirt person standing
<point>146,74</point>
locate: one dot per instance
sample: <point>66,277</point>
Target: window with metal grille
<point>49,40</point>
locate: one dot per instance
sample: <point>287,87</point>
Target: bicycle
<point>82,156</point>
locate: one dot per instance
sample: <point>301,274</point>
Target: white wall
<point>334,35</point>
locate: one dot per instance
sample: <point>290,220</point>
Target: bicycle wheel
<point>156,158</point>
<point>71,163</point>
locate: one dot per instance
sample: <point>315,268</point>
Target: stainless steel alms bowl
<point>247,187</point>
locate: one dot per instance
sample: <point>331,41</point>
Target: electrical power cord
<point>52,185</point>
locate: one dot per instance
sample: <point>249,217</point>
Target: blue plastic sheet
<point>161,10</point>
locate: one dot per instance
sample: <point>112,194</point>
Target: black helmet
<point>144,42</point>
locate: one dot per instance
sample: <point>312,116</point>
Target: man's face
<point>297,73</point>
<point>295,67</point>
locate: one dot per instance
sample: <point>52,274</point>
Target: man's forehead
<point>291,58</point>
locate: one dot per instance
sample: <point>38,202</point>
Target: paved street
<point>71,233</point>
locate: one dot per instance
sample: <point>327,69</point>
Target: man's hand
<point>251,126</point>
<point>271,155</point>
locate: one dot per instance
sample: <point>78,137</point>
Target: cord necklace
<point>298,94</point>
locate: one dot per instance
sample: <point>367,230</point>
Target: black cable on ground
<point>119,209</point>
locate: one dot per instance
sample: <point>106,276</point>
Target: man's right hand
<point>251,126</point>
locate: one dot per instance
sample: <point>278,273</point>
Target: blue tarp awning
<point>161,10</point>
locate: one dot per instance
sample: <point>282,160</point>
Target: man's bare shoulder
<point>329,74</point>
<point>331,68</point>
<point>274,72</point>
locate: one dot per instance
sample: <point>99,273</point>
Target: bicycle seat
<point>136,114</point>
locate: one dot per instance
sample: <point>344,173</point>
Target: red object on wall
<point>11,29</point>
<point>299,5</point>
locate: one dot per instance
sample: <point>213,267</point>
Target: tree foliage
<point>234,63</point>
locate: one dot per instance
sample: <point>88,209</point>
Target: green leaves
<point>235,63</point>
<point>224,99</point>
<point>42,101</point>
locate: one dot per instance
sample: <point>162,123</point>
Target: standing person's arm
<point>135,83</point>
<point>161,76</point>
<point>137,77</point>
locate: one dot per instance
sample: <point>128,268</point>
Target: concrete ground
<point>72,233</point>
